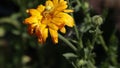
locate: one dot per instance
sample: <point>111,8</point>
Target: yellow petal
<point>53,26</point>
<point>68,20</point>
<point>45,34</point>
<point>42,27</point>
<point>61,6</point>
<point>63,30</point>
<point>40,33</point>
<point>58,21</point>
<point>55,2</point>
<point>54,35</point>
<point>33,12</point>
<point>61,0</point>
<point>41,8</point>
<point>68,10</point>
<point>31,20</point>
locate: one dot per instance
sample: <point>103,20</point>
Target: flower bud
<point>81,62</point>
<point>25,59</point>
<point>86,5</point>
<point>97,20</point>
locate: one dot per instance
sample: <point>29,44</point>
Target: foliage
<point>84,46</point>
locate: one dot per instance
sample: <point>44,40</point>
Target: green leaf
<point>13,20</point>
<point>69,55</point>
<point>90,64</point>
<point>2,31</point>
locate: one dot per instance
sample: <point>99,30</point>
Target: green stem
<point>81,43</point>
<point>74,65</point>
<point>75,27</point>
<point>68,42</point>
<point>103,43</point>
<point>94,38</point>
<point>76,31</point>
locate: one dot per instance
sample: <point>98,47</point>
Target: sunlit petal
<point>45,34</point>
<point>57,21</point>
<point>41,8</point>
<point>68,20</point>
<point>63,30</point>
<point>68,10</point>
<point>61,0</point>
<point>61,6</point>
<point>52,26</point>
<point>54,35</point>
<point>55,2</point>
<point>33,12</point>
<point>31,20</point>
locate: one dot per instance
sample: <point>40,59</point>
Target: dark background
<point>16,42</point>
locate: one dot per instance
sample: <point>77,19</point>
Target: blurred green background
<point>18,49</point>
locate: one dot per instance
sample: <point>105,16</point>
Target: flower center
<point>48,12</point>
<point>48,8</point>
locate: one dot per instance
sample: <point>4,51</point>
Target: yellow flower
<point>49,17</point>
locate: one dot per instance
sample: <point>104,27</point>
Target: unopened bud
<point>86,5</point>
<point>25,59</point>
<point>97,20</point>
<point>81,62</point>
